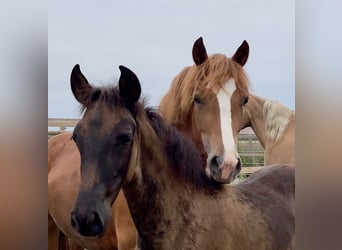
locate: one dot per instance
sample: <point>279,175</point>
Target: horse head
<point>105,138</point>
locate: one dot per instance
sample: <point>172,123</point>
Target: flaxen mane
<point>213,73</point>
<point>277,118</point>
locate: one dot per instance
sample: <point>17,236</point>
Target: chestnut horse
<point>210,101</point>
<point>174,204</point>
<point>205,101</point>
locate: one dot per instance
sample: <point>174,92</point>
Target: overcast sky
<point>155,38</point>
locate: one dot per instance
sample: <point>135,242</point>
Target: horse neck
<point>253,113</point>
<point>282,123</point>
<point>166,199</point>
<point>161,182</point>
<point>283,149</point>
<point>146,193</point>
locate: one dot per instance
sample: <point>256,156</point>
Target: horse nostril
<point>96,219</point>
<point>238,166</point>
<point>215,163</point>
<point>73,221</point>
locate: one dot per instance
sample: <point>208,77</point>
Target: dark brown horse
<point>174,204</point>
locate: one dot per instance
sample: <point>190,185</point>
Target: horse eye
<point>244,100</point>
<point>197,100</point>
<point>123,139</point>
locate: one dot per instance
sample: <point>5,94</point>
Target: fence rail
<point>62,123</point>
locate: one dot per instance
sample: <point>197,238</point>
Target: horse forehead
<point>225,94</point>
<point>105,118</point>
<point>227,89</point>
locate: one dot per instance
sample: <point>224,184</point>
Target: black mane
<point>182,153</point>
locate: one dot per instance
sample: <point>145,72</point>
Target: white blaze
<point>224,96</point>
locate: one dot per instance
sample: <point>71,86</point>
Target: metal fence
<point>250,150</point>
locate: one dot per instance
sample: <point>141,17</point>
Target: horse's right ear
<point>129,86</point>
<point>199,53</point>
<point>80,86</point>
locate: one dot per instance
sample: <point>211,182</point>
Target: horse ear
<point>80,86</point>
<point>241,54</point>
<point>129,86</point>
<point>199,53</point>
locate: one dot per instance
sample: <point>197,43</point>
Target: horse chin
<point>221,181</point>
<point>224,178</point>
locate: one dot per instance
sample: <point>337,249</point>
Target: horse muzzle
<point>90,215</point>
<point>88,225</point>
<point>224,171</point>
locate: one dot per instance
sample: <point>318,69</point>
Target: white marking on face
<point>224,96</point>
